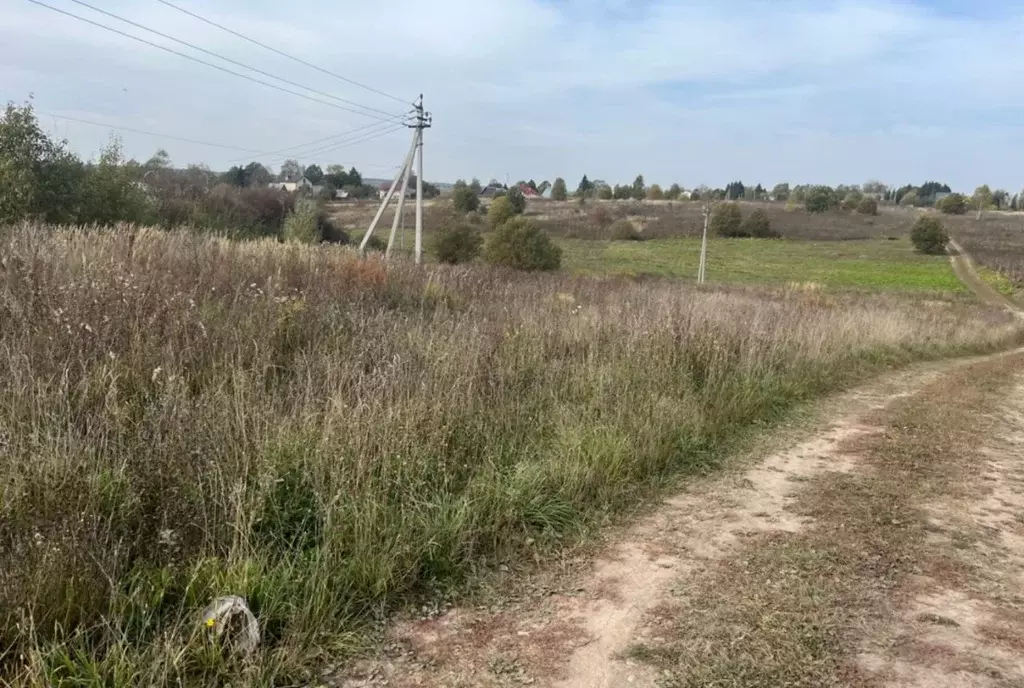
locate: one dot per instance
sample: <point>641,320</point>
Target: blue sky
<point>688,92</point>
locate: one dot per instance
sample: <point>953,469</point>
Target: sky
<point>702,92</point>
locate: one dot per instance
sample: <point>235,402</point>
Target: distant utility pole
<point>419,120</point>
<point>702,270</point>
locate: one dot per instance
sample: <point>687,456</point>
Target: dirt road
<point>967,272</point>
<point>823,561</point>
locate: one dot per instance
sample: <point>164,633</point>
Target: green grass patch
<point>997,281</point>
<point>874,264</point>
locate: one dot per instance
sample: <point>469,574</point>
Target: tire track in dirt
<point>575,636</point>
<point>967,272</point>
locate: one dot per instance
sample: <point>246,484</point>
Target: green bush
<point>517,200</point>
<point>458,244</point>
<point>464,200</point>
<point>500,211</point>
<point>521,244</point>
<point>727,221</point>
<point>820,199</point>
<point>953,204</point>
<point>759,226</point>
<point>929,236</point>
<point>852,201</point>
<point>868,206</point>
<point>623,230</point>
<point>303,225</point>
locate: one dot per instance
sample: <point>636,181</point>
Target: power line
<point>228,59</point>
<point>149,133</point>
<point>332,137</point>
<point>344,144</point>
<point>280,52</point>
<point>202,62</point>
<point>332,145</point>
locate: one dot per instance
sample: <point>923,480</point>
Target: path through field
<point>966,272</point>
<point>880,545</point>
<point>682,598</point>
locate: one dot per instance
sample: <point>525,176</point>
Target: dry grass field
<point>331,438</point>
<point>996,241</point>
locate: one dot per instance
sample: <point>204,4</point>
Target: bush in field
<point>458,244</point>
<point>559,191</point>
<point>820,199</point>
<point>303,225</point>
<point>929,236</point>
<point>868,206</point>
<point>851,201</point>
<point>623,230</point>
<point>464,200</point>
<point>517,200</point>
<point>727,221</point>
<point>521,244</point>
<point>953,204</point>
<point>759,226</point>
<point>500,211</point>
<point>602,217</point>
<point>909,199</point>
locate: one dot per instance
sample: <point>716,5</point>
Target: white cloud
<point>694,92</point>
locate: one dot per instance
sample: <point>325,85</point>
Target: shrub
<point>820,199</point>
<point>929,236</point>
<point>521,244</point>
<point>458,244</point>
<point>500,211</point>
<point>953,204</point>
<point>868,206</point>
<point>464,200</point>
<point>909,199</point>
<point>517,199</point>
<point>376,244</point>
<point>851,201</point>
<point>302,226</point>
<point>602,217</point>
<point>727,220</point>
<point>623,230</point>
<point>759,226</point>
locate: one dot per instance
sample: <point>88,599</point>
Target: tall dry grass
<point>183,417</point>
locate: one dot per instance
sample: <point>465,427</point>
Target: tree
<point>314,174</point>
<point>517,200</point>
<point>475,185</point>
<point>622,192</point>
<point>160,161</point>
<point>734,190</point>
<point>558,190</point>
<point>868,206</point>
<point>584,188</point>
<point>910,199</point>
<point>953,204</point>
<point>335,169</point>
<point>982,199</point>
<point>1001,197</point>
<point>235,176</point>
<point>759,226</point>
<point>655,193</point>
<point>257,175</point>
<point>781,192</point>
<point>38,177</point>
<point>819,199</point>
<point>874,188</point>
<point>291,171</point>
<point>638,191</point>
<point>727,220</point>
<point>464,200</point>
<point>929,236</point>
<point>533,185</point>
<point>459,244</point>
<point>108,193</point>
<point>674,192</point>
<point>623,230</point>
<point>500,211</point>
<point>522,245</point>
<point>852,200</point>
<point>605,193</point>
<point>928,190</point>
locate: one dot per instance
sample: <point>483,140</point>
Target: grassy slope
<point>876,264</point>
<point>185,418</point>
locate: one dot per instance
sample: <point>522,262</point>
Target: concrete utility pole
<point>420,120</point>
<point>702,270</point>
